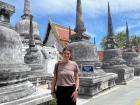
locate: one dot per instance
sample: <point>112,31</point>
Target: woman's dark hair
<point>68,49</point>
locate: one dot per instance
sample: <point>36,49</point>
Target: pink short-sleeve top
<point>66,73</point>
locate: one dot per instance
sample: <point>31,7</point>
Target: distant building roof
<point>101,55</point>
<point>61,33</point>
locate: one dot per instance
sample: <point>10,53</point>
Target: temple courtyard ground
<point>119,95</point>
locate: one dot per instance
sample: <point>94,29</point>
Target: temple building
<point>56,35</point>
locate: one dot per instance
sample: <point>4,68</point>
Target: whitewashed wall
<point>52,55</point>
<point>53,41</point>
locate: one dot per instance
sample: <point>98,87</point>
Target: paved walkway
<point>119,95</point>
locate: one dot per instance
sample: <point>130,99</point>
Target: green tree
<point>121,40</point>
<point>102,44</point>
<point>135,40</point>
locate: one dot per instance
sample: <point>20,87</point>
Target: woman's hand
<point>74,96</point>
<point>53,95</point>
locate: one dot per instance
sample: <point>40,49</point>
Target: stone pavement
<point>119,95</point>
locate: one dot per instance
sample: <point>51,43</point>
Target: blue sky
<point>94,14</point>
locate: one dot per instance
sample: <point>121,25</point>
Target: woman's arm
<point>77,82</point>
<point>75,93</point>
<point>53,84</point>
<point>54,80</point>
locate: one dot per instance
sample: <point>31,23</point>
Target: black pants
<point>64,94</point>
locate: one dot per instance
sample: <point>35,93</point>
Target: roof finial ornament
<point>110,26</point>
<point>27,7</point>
<point>79,19</point>
<point>27,11</point>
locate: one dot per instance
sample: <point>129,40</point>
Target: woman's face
<point>67,54</point>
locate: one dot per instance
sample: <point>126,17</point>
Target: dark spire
<point>128,42</point>
<point>80,29</point>
<point>127,34</point>
<point>110,27</point>
<point>110,42</point>
<point>32,41</point>
<point>27,10</point>
<point>94,41</point>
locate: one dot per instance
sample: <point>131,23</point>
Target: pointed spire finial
<point>94,41</point>
<point>79,29</point>
<point>27,7</point>
<point>27,11</point>
<point>110,27</point>
<point>110,41</point>
<point>79,19</point>
<point>127,34</point>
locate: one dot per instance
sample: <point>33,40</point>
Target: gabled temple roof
<point>61,33</point>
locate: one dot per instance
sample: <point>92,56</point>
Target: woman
<point>65,83</point>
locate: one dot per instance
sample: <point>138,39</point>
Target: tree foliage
<point>136,41</point>
<point>102,44</point>
<point>121,40</point>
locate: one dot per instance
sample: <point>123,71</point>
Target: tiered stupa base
<point>16,91</point>
<point>40,97</point>
<point>136,70</point>
<point>124,72</point>
<point>93,83</point>
<point>114,63</point>
<point>133,60</point>
<point>13,82</point>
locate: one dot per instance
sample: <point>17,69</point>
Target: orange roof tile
<point>101,55</point>
<point>63,33</point>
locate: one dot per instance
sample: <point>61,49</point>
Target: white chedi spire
<point>27,7</point>
<point>23,26</point>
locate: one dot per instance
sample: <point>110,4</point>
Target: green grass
<point>52,102</point>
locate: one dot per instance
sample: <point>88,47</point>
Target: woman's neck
<point>65,60</point>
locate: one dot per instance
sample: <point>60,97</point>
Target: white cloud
<point>91,34</point>
<point>53,7</point>
<point>130,26</point>
<point>120,29</point>
<point>90,7</point>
